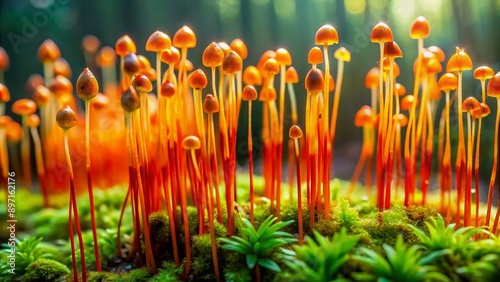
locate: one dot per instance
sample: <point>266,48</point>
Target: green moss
<point>193,220</point>
<point>220,229</point>
<point>46,270</point>
<point>418,215</point>
<point>202,265</point>
<point>160,227</point>
<point>290,212</point>
<point>102,276</point>
<point>345,215</point>
<point>169,272</point>
<point>135,275</point>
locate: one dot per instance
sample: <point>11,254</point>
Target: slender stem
<point>495,164</point>
<point>250,161</point>
<point>299,193</point>
<point>89,185</point>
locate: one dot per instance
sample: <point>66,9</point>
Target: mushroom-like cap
<point>167,89</point>
<point>447,82</point>
<point>188,66</point>
<point>459,61</point>
<point>407,102</point>
<point>291,75</point>
<point>184,37</point>
<point>91,44</point>
<point>142,84</point>
<point>4,94</point>
<point>331,83</point>
<point>210,104</point>
<point>131,63</point>
<point>4,120</point>
<point>401,119</point>
<point>392,50</point>
<point>438,52</point>
<point>314,81</point>
<point>372,78</point>
<point>315,56</point>
<point>342,54</point>
<point>249,93</point>
<point>433,66</point>
<point>283,57</point>
<point>387,67</point>
<point>225,47</point>
<point>232,63</point>
<point>41,95</point>
<point>399,89</point>
<point>326,35</point>
<point>33,120</point>
<point>469,104</point>
<point>144,64</point>
<point>66,117</point>
<point>130,101</point>
<point>271,66</point>
<point>33,81</point>
<point>267,94</point>
<point>252,76</point>
<point>86,85</point>
<point>295,132</point>
<point>364,116</point>
<point>238,46</point>
<point>381,33</point>
<point>4,60</point>
<point>420,28</point>
<point>61,67</point>
<point>494,86</point>
<point>106,57</point>
<point>124,45</point>
<point>212,56</point>
<point>158,42</point>
<point>171,56</point>
<point>100,102</point>
<point>191,142</point>
<point>481,112</point>
<point>266,55</point>
<point>13,132</point>
<point>197,79</point>
<point>60,85</point>
<point>48,51</point>
<point>483,73</point>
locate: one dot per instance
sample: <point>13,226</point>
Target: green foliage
<point>106,239</point>
<point>345,214</point>
<point>102,276</point>
<point>43,270</point>
<point>257,245</point>
<point>402,264</point>
<point>28,250</point>
<point>169,272</point>
<point>135,275</point>
<point>321,259</point>
<point>202,264</point>
<point>445,237</point>
<point>160,227</point>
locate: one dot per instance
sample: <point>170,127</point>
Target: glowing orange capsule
<point>158,42</point>
<point>326,35</point>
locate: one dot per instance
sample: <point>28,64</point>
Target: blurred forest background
<point>263,25</point>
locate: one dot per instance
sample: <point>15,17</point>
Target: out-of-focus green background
<point>263,25</point>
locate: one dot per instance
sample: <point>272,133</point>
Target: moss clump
<point>160,229</point>
<point>345,215</point>
<point>102,276</point>
<point>46,270</point>
<point>169,272</point>
<point>202,265</point>
<point>290,212</point>
<point>135,275</point>
<point>192,220</point>
<point>418,215</point>
<point>220,230</point>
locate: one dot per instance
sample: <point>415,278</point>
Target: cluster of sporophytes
<point>175,150</point>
